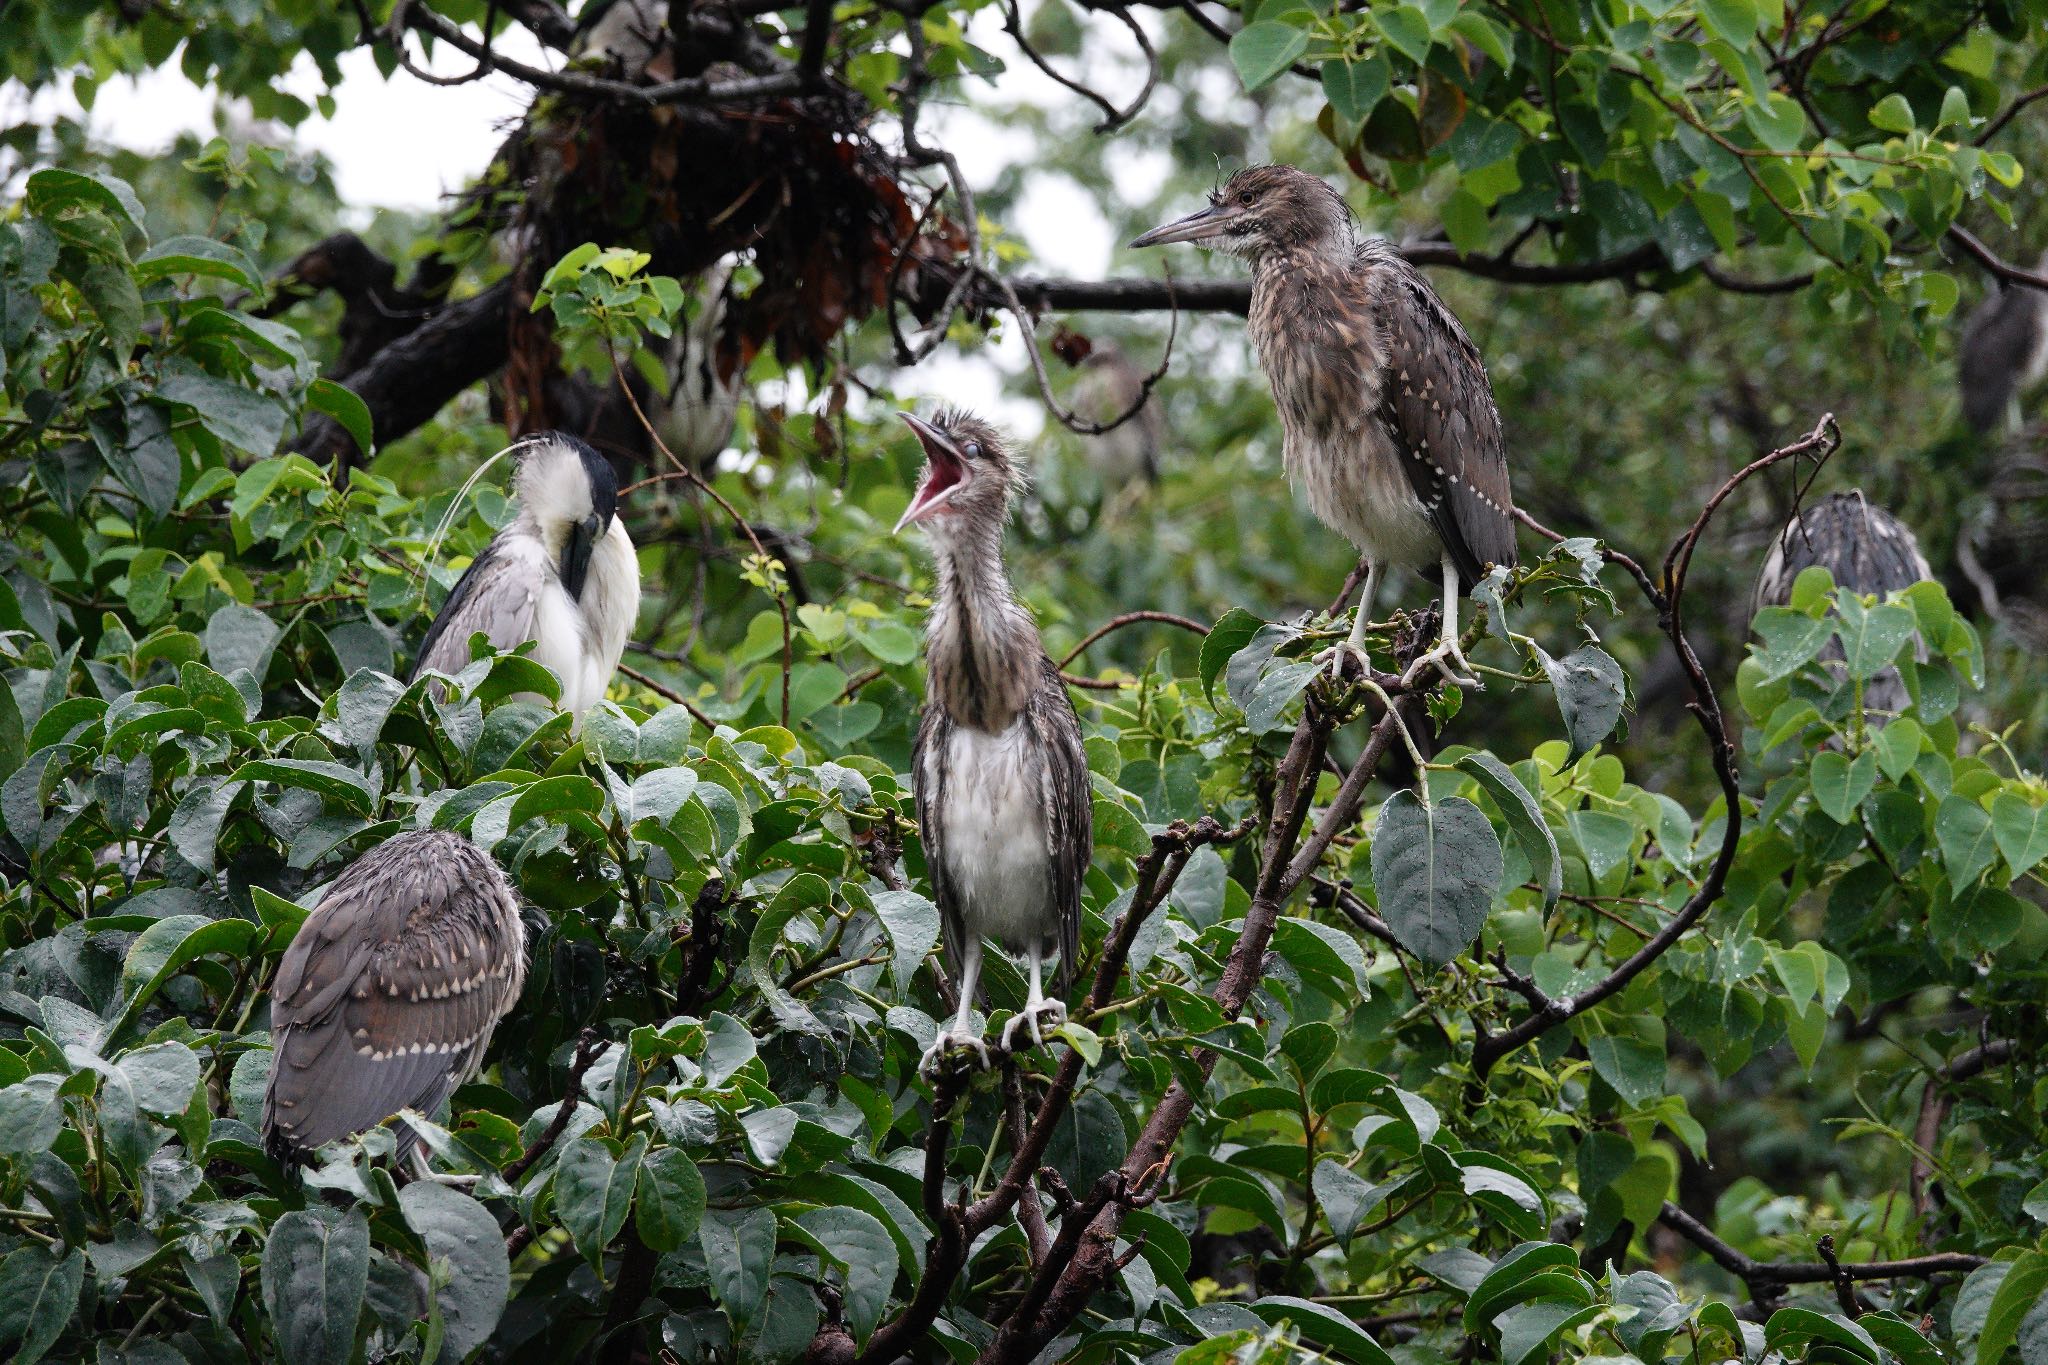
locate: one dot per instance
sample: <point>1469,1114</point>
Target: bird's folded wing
<point>498,594</point>
<point>1069,807</point>
<point>1437,407</point>
<point>928,786</point>
<point>384,999</point>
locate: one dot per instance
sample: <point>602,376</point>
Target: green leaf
<point>240,637</point>
<point>1354,90</point>
<point>1590,691</point>
<point>1791,1328</point>
<point>2021,830</point>
<point>346,408</point>
<point>1539,1264</point>
<point>1634,1068</point>
<point>165,948</point>
<point>243,418</point>
<point>190,255</point>
<point>53,193</point>
<point>38,1295</point>
<point>1525,819</point>
<point>866,1255</point>
<point>462,1234</point>
<point>1436,870</point>
<point>31,1115</point>
<point>2017,1294</point>
<point>670,1202</point>
<point>1732,21</point>
<point>1892,114</point>
<point>316,1270</point>
<point>806,891</point>
<point>1872,636</point>
<point>1324,1326</point>
<point>1407,29</point>
<point>1309,1046</point>
<point>1963,830</point>
<point>1345,1197</point>
<point>334,781</point>
<point>1839,785</point>
<point>1262,51</point>
<point>594,1191</point>
<point>739,1246</point>
<point>912,923</point>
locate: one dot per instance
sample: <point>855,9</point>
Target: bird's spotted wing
<point>1436,407</point>
<point>1069,809</point>
<point>928,778</point>
<point>387,997</point>
<point>497,594</point>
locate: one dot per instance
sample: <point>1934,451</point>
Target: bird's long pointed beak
<point>1210,222</point>
<point>583,538</point>
<point>945,471</point>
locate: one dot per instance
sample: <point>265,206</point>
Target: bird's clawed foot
<point>1448,659</point>
<point>1049,1007</point>
<point>951,1042</point>
<point>1337,656</point>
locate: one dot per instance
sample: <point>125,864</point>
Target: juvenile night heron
<point>387,997</point>
<point>2004,353</point>
<point>998,770</point>
<point>1390,427</point>
<point>1110,386</point>
<point>561,574</point>
<point>1867,549</point>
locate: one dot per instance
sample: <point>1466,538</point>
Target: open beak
<point>945,471</point>
<point>1211,222</point>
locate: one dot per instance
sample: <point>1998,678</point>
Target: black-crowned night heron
<point>1110,386</point>
<point>387,996</point>
<point>2003,354</point>
<point>696,418</point>
<point>998,770</point>
<point>1391,431</point>
<point>1867,549</point>
<point>561,574</point>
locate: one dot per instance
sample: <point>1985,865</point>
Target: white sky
<point>402,143</point>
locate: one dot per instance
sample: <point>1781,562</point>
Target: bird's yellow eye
<point>972,450</point>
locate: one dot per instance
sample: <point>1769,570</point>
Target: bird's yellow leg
<point>1446,657</point>
<point>1361,621</point>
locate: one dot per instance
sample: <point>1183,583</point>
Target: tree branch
<point>1935,1101</point>
<point>1765,1280</point>
<point>1973,246</point>
<point>1488,1050</point>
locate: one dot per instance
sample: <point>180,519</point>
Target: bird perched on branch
<point>561,574</point>
<point>998,770</point>
<point>1110,386</point>
<point>1390,426</point>
<point>2004,353</point>
<point>1867,549</point>
<point>387,997</point>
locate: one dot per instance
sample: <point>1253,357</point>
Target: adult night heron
<point>1867,549</point>
<point>1390,427</point>
<point>387,997</point>
<point>998,770</point>
<point>561,574</point>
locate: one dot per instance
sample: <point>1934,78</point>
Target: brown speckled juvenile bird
<point>387,997</point>
<point>998,770</point>
<point>1391,431</point>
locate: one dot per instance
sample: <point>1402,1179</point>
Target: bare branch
<point>1973,246</point>
<point>1131,618</point>
<point>1766,1280</point>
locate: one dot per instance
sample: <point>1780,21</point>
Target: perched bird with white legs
<point>998,770</point>
<point>561,574</point>
<point>389,993</point>
<point>1390,426</point>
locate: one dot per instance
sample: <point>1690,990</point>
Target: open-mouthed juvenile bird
<point>998,770</point>
<point>561,574</point>
<point>388,996</point>
<point>1391,431</point>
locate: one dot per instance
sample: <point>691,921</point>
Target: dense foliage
<point>1719,1040</point>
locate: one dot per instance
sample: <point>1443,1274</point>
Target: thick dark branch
<point>1934,1106</point>
<point>1973,246</point>
<point>589,1047</point>
<point>1765,1279</point>
<point>544,19</point>
<point>1707,709</point>
<point>408,381</point>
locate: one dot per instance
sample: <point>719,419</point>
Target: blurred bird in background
<point>562,574</point>
<point>1110,386</point>
<point>2003,354</point>
<point>998,770</point>
<point>1391,431</point>
<point>697,416</point>
<point>388,995</point>
<point>1867,549</point>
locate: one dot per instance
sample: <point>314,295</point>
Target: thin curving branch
<point>1973,247</point>
<point>1706,708</point>
<point>1935,1101</point>
<point>1766,1280</point>
<point>1132,618</point>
